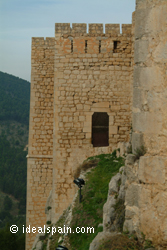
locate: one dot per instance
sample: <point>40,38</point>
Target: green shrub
<point>48,222</point>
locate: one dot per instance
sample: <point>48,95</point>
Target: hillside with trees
<point>14,99</point>
<point>14,123</point>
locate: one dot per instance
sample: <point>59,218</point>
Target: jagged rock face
<point>116,193</point>
<point>108,209</point>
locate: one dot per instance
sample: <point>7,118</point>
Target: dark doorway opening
<point>100,129</point>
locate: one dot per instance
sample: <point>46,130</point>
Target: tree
<point>8,239</point>
<point>7,203</point>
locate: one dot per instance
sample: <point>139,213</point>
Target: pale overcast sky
<point>20,20</point>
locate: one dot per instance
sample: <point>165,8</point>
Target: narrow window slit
<point>71,46</point>
<point>86,46</point>
<point>99,46</point>
<point>115,45</point>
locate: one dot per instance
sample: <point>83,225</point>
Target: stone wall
<point>146,196</point>
<point>92,74</point>
<point>74,75</point>
<point>40,152</point>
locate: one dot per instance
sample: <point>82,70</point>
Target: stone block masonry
<point>92,74</point>
<point>40,153</point>
<point>146,195</point>
<point>74,76</point>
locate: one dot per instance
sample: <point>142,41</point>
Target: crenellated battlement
<point>93,28</point>
<point>126,28</point>
<point>96,28</point>
<point>113,29</point>
<point>79,27</point>
<point>41,41</point>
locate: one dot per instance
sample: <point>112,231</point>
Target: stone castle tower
<point>81,98</point>
<point>81,105</point>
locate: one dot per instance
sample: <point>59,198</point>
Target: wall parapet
<point>94,28</point>
<point>43,41</point>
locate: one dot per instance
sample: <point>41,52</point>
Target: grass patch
<point>87,164</point>
<point>89,213</point>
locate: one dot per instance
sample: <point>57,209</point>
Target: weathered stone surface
<point>123,148</point>
<point>141,51</point>
<point>142,120</point>
<point>95,244</point>
<point>132,195</point>
<point>130,159</point>
<point>38,245</point>
<point>48,207</point>
<point>145,197</point>
<point>137,141</point>
<point>131,173</point>
<point>128,226</point>
<point>116,193</point>
<point>121,195</point>
<point>141,18</point>
<point>109,214</point>
<point>108,208</point>
<point>146,204</point>
<point>152,169</point>
<point>113,185</point>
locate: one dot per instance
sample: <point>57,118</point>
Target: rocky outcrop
<point>48,207</point>
<point>102,236</point>
<point>37,245</point>
<point>116,194</point>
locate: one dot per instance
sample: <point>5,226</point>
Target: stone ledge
<point>39,156</point>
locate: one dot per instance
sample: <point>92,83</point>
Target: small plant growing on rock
<point>148,244</point>
<point>129,149</point>
<point>140,152</point>
<point>48,222</point>
<point>116,196</point>
<point>119,242</point>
